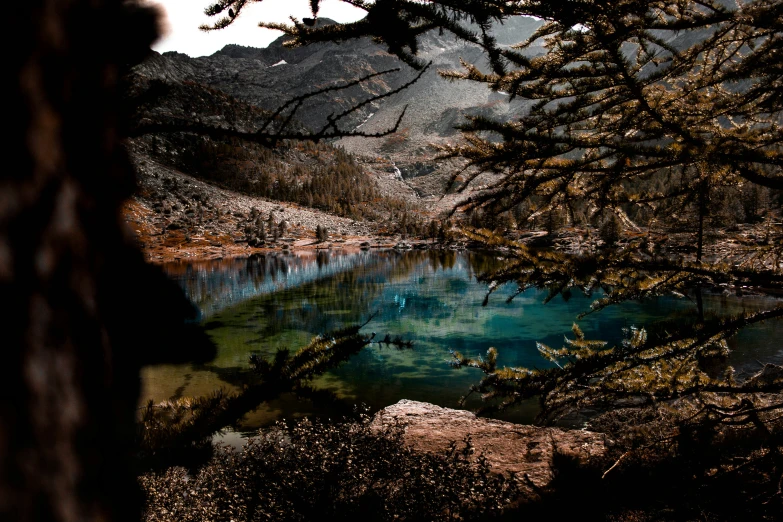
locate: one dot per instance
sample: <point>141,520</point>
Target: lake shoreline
<point>162,243</point>
<point>240,250</point>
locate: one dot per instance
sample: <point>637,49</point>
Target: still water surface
<point>258,305</point>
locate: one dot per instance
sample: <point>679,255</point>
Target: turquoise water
<point>259,305</point>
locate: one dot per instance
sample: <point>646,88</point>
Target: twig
<point>266,136</point>
<point>333,120</point>
<point>300,99</point>
<point>616,463</point>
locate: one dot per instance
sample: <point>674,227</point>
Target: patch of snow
<point>365,120</point>
<point>281,62</point>
<point>397,173</point>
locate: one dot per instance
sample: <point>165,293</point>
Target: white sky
<point>183,17</point>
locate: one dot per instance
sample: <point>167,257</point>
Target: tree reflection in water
<point>266,302</point>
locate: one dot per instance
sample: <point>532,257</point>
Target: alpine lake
<point>432,298</point>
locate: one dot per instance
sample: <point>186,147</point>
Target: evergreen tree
<point>611,230</point>
<point>432,229</point>
<point>260,228</point>
<point>321,233</point>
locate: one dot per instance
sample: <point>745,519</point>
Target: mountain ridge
<point>267,77</point>
<point>238,87</point>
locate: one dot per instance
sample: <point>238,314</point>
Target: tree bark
<point>78,322</point>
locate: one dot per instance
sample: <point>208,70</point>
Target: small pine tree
<point>261,229</point>
<point>321,233</point>
<point>432,229</point>
<point>610,230</point>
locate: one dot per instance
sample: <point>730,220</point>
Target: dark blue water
<point>431,298</point>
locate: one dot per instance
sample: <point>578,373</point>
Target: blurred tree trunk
<point>79,303</point>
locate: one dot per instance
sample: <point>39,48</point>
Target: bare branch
<point>270,134</point>
<point>297,101</point>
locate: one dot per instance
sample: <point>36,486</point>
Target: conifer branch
<point>175,425</point>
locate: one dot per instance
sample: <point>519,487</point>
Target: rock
<point>415,170</point>
<point>770,374</point>
<point>508,447</point>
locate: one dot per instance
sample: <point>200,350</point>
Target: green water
<point>432,298</point>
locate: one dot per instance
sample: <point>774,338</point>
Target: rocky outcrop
<point>414,170</point>
<point>525,450</point>
<point>267,77</point>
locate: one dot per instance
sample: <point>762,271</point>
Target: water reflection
<point>216,285</point>
<point>432,298</point>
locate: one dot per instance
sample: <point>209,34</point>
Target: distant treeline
<point>316,175</point>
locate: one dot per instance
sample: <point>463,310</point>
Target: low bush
<point>316,470</point>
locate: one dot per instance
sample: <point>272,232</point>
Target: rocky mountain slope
<point>216,195</point>
<point>402,163</point>
<point>238,88</point>
<point>268,77</point>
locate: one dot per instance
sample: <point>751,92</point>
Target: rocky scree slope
<point>246,182</point>
<point>267,77</point>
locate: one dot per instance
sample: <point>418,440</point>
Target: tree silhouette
<point>74,336</point>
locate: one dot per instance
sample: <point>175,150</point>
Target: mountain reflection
<point>217,285</point>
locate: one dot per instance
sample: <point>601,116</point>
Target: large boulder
<point>525,450</point>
